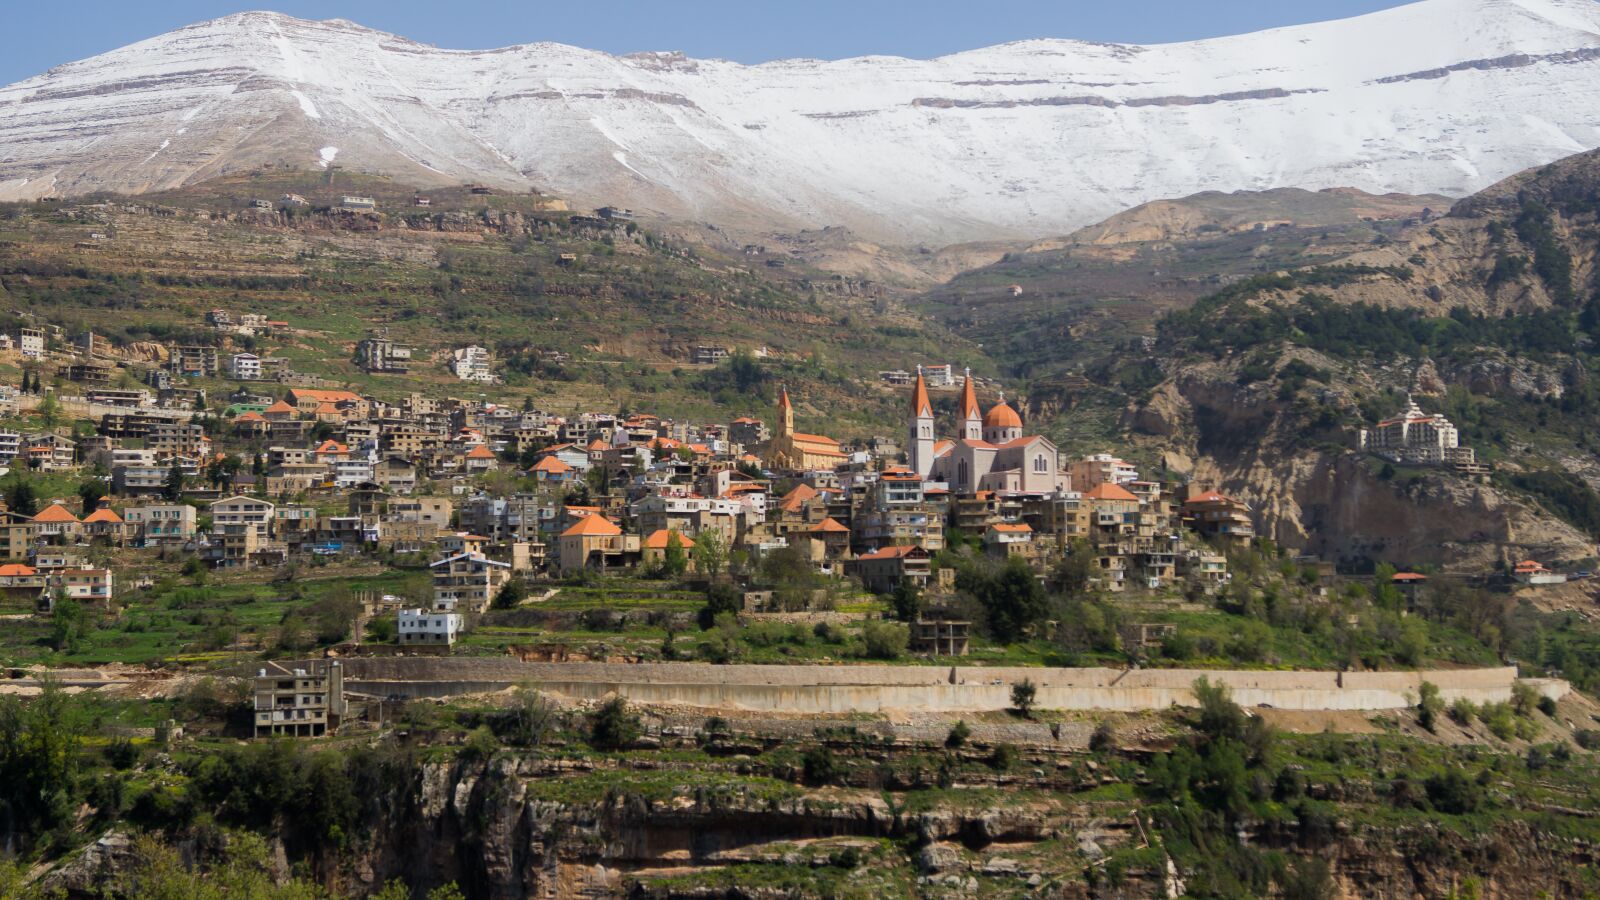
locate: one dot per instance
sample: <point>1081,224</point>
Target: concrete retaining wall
<point>827,690</point>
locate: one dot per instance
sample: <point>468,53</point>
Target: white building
<point>1417,437</point>
<point>31,343</point>
<point>473,363</point>
<point>245,367</point>
<point>428,627</point>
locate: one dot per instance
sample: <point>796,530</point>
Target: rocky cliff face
<point>1248,443</point>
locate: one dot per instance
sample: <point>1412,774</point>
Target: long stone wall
<point>846,689</point>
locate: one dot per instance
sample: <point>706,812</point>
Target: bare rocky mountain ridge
<point>1009,142</point>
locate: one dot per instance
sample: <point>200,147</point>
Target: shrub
<point>613,726</point>
<point>1464,711</point>
<point>1453,792</point>
<point>1501,720</point>
<point>958,735</point>
<point>1547,706</point>
<point>885,640</point>
<point>820,766</point>
<point>1104,737</point>
<point>1588,738</point>
<point>1003,757</point>
<point>1023,694</point>
<point>1429,705</point>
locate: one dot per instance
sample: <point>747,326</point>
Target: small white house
<point>428,627</point>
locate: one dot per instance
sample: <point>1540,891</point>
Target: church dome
<point>1001,415</point>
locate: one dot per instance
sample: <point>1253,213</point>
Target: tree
<point>820,766</point>
<point>175,479</point>
<point>49,411</point>
<point>1075,573</point>
<point>40,762</point>
<point>90,492</point>
<point>68,624</point>
<point>1023,694</point>
<point>710,555</point>
<point>885,640</point>
<point>907,600</point>
<point>674,560</point>
<point>1429,705</point>
<point>613,726</point>
<point>511,594</point>
<point>20,498</point>
<point>1012,598</point>
<point>531,718</point>
<point>721,599</point>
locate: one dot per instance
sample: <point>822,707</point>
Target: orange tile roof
<point>325,396</point>
<point>830,525</point>
<point>1108,491</point>
<point>481,451</point>
<point>15,569</point>
<point>658,539</point>
<point>592,526</point>
<point>280,407</point>
<point>250,417</point>
<point>56,513</point>
<point>1012,528</point>
<point>551,465</point>
<point>890,553</point>
<point>103,514</point>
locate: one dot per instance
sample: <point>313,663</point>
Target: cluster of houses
<point>489,493</point>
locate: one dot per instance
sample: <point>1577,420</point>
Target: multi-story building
<point>1215,515</point>
<point>380,355</point>
<point>468,581</point>
<point>244,367</point>
<point>428,628</point>
<point>1417,437</point>
<point>164,523</point>
<point>1101,468</point>
<point>194,360</point>
<point>473,363</point>
<point>301,702</point>
<point>255,514</point>
<point>31,343</point>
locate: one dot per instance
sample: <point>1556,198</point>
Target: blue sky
<point>52,33</point>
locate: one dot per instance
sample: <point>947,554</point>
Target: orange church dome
<point>1001,415</point>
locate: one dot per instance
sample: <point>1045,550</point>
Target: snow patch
<point>306,106</point>
<point>164,145</point>
<point>327,154</point>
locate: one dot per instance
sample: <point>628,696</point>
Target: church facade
<point>794,451</point>
<point>990,452</point>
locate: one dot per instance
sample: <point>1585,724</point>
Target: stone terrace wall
<point>846,689</point>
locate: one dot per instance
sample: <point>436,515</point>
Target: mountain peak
<point>1029,138</point>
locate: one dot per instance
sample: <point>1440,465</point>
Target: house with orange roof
<point>1215,515</point>
<point>1533,573</point>
<point>479,459</point>
<point>595,542</point>
<point>882,571</point>
<point>105,524</point>
<point>655,547</point>
<point>57,523</point>
<point>550,469</point>
<point>23,585</point>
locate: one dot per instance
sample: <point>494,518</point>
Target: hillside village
<point>492,493</point>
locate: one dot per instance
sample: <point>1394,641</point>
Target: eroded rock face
<point>1329,502</point>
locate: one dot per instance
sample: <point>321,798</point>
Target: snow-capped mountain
<point>1030,138</point>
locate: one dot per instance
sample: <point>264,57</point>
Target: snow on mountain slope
<point>1030,138</point>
